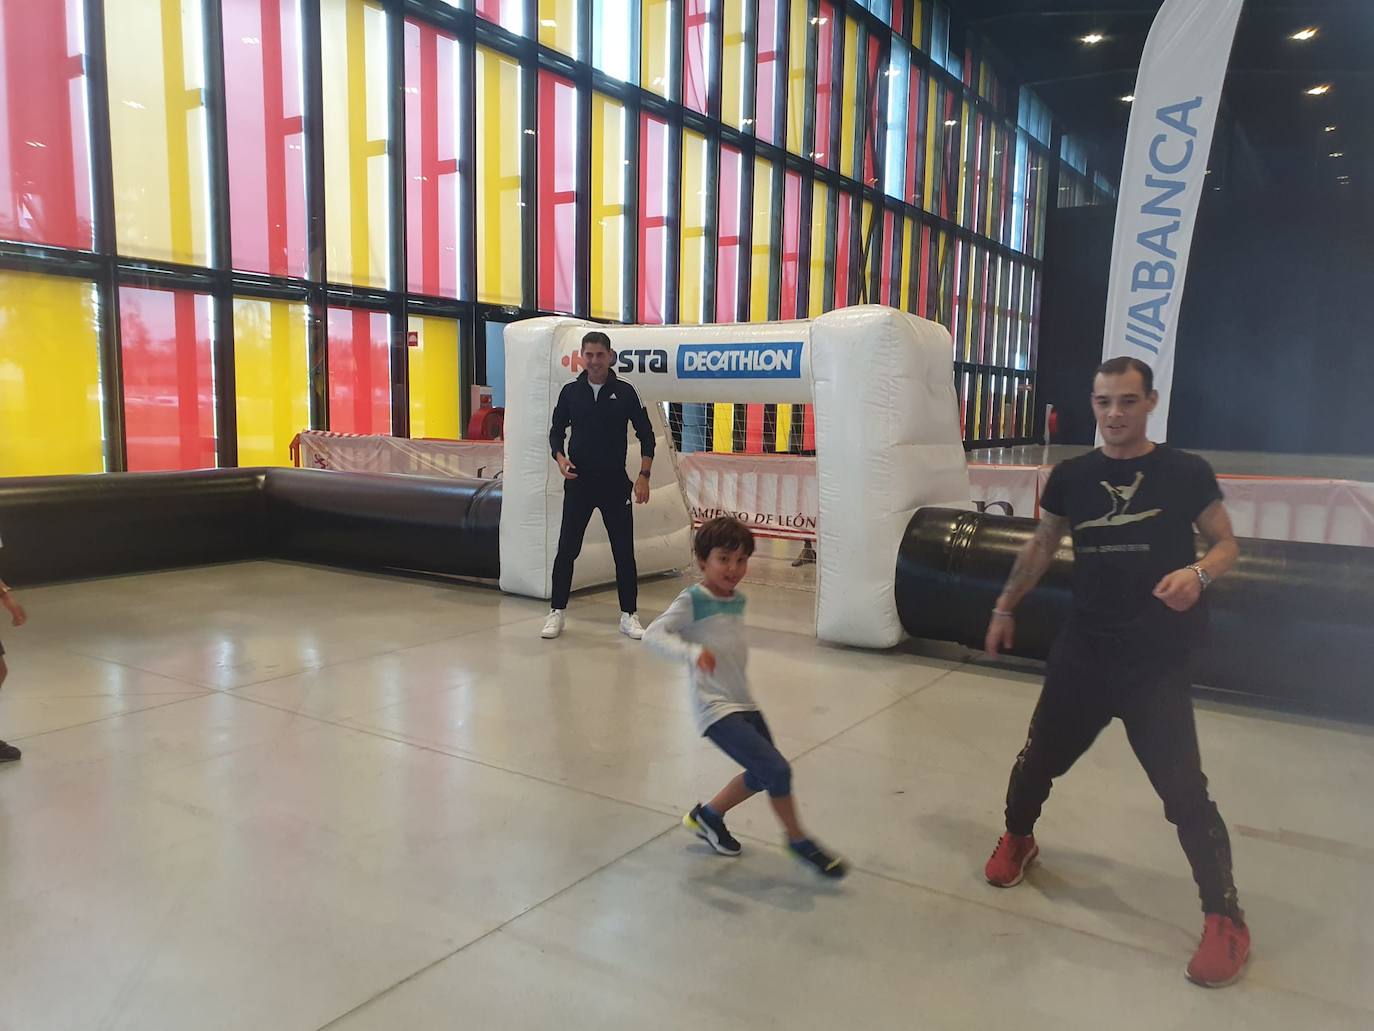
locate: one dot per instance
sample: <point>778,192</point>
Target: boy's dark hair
<point>725,532</point>
<point>597,337</point>
<point>1121,366</point>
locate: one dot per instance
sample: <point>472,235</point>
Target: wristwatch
<point>1203,577</point>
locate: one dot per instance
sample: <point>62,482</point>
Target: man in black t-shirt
<point>1138,611</point>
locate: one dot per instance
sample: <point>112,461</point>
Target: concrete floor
<point>277,796</point>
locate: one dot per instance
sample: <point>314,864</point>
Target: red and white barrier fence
<point>777,495</point>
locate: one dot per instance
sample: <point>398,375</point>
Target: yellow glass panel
<point>862,264</point>
<point>816,300</point>
<point>49,377</point>
<point>558,25</point>
<point>911,265</point>
<point>723,428</point>
<point>271,378</point>
<point>499,242</point>
<point>155,52</point>
<point>656,54</point>
<point>355,141</point>
<point>608,208</point>
<point>849,101</point>
<point>797,98</point>
<point>693,270</point>
<point>784,430</point>
<point>434,378</point>
<point>761,248</point>
<point>733,62</point>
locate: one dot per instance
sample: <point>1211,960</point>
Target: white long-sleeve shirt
<point>698,620</point>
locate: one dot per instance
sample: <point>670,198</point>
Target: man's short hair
<point>723,532</point>
<point>1123,365</point>
<point>597,337</point>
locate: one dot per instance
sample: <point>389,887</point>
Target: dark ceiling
<point>1271,135</point>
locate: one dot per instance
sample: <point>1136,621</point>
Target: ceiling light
<point>1337,154</point>
<point>951,122</point>
<point>1129,98</point>
<point>1330,128</point>
<point>1319,91</point>
<point>1092,38</point>
<point>1303,35</point>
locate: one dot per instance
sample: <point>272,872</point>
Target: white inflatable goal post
<point>887,443</point>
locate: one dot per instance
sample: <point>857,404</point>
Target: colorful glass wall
<point>225,222</point>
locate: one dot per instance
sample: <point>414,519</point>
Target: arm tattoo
<point>1034,560</point>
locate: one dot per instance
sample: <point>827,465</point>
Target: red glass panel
<point>791,244</point>
<point>824,153</point>
<point>45,173</point>
<point>767,79</point>
<point>359,372</point>
<point>871,89</point>
<point>169,379</point>
<point>696,38</point>
<point>263,107</point>
<point>653,218</point>
<point>728,244</point>
<point>843,250</point>
<point>557,193</point>
<point>509,14</point>
<point>433,178</point>
<point>753,429</point>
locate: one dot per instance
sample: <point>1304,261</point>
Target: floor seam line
<point>474,760</point>
<point>495,930</point>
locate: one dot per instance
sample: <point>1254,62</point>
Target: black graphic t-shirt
<point>1132,522</point>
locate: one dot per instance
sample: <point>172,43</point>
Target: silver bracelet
<point>1203,577</point>
<point>1002,612</point>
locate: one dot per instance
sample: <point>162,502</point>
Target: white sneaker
<point>630,626</point>
<point>553,626</point>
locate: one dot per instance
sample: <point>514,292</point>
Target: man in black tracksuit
<point>598,405</point>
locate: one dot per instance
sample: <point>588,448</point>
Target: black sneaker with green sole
<point>712,831</point>
<point>818,859</point>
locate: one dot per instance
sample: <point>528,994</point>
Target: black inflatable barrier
<point>1292,623</point>
<point>72,527</point>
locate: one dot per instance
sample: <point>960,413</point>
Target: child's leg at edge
<point>731,795</point>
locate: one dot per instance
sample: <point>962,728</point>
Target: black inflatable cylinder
<point>1292,622</point>
<point>74,527</point>
<point>419,523</point>
<point>71,527</point>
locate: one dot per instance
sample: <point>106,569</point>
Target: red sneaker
<point>1010,858</point>
<point>1222,953</point>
